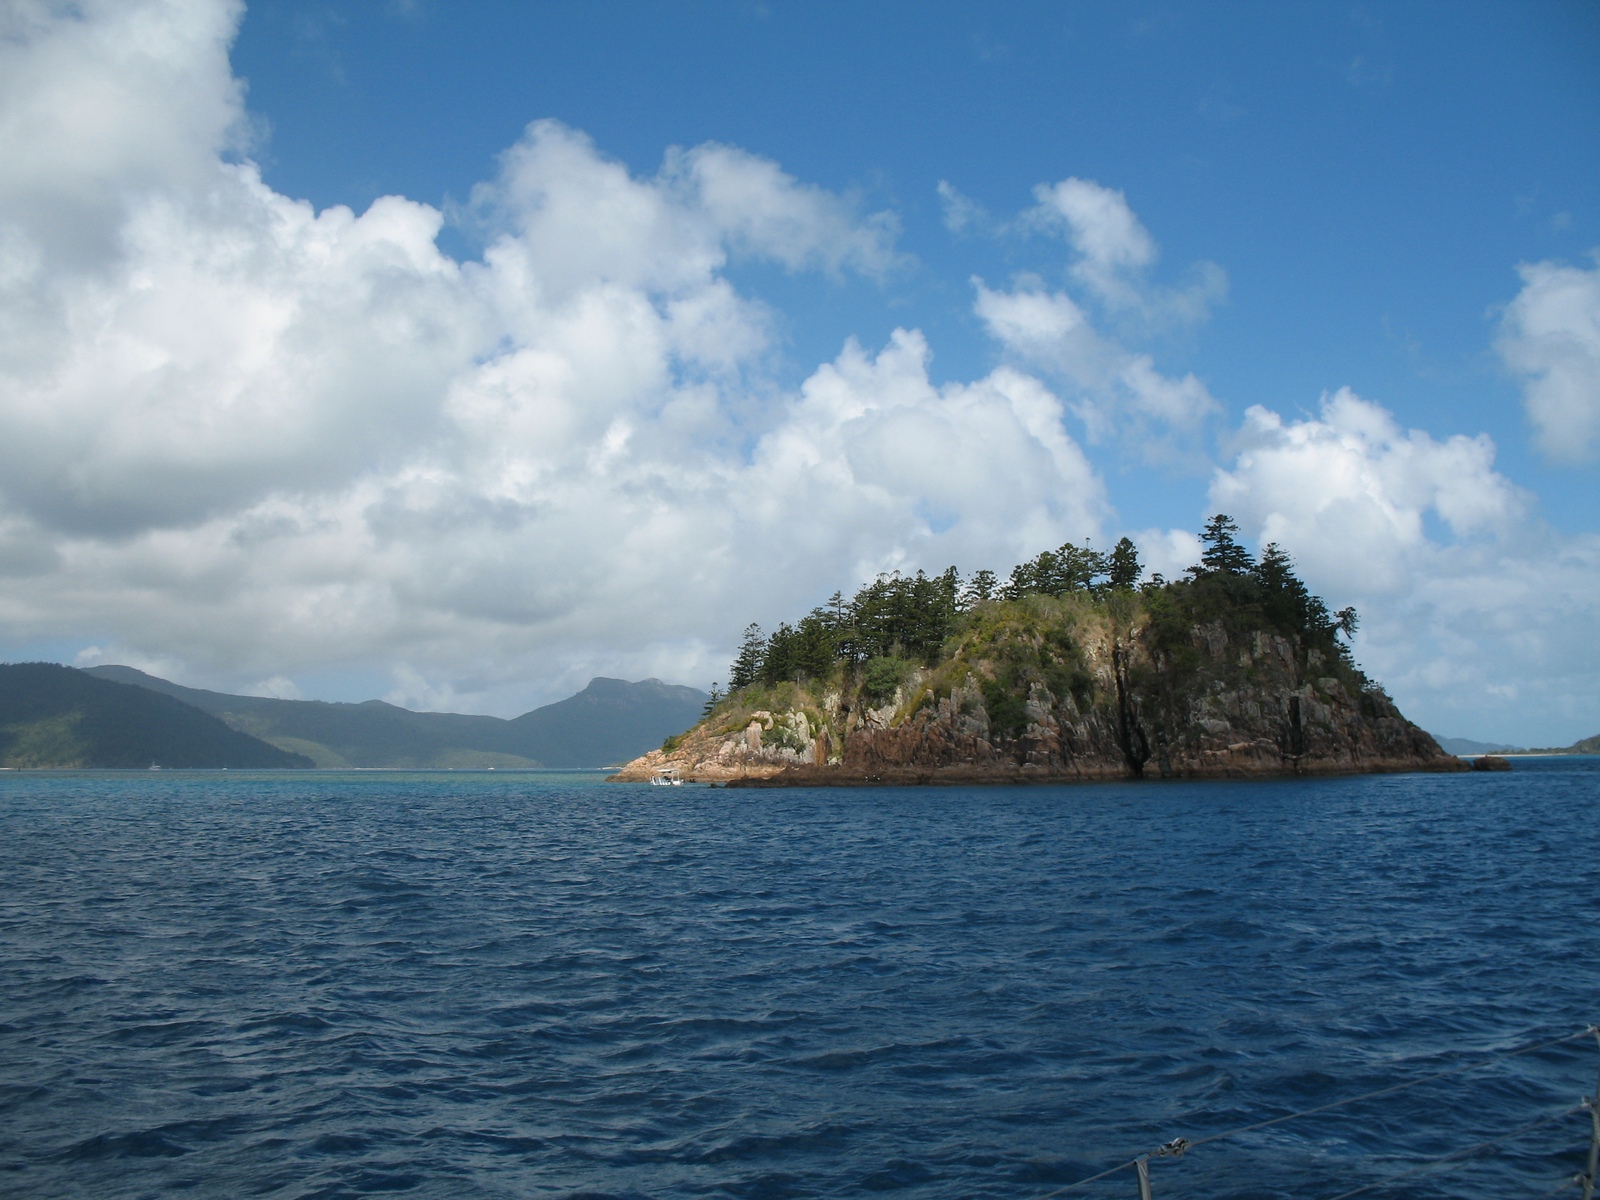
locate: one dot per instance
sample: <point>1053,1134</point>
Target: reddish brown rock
<point>1234,706</point>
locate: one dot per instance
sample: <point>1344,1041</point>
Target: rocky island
<point>1069,670</point>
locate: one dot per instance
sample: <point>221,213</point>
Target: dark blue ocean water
<point>498,985</point>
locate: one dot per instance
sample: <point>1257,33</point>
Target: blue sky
<point>1101,269</point>
<point>1367,175</point>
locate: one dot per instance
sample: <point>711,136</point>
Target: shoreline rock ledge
<point>1056,690</point>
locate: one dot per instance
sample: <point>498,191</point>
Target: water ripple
<point>310,984</point>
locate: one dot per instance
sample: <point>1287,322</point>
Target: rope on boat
<point>1566,1185</point>
<point>1431,1163</point>
<point>1177,1147</point>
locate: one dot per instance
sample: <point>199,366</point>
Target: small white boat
<point>667,777</point>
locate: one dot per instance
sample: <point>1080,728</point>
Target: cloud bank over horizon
<point>242,440</point>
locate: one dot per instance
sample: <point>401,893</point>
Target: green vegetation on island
<point>1069,667</point>
<point>895,624</point>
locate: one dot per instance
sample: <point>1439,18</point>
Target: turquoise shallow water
<point>497,985</point>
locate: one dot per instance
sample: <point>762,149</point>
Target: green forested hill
<point>54,716</point>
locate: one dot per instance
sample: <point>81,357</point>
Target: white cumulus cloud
<point>1115,252</point>
<point>961,213</point>
<point>1475,615</point>
<point>1550,336</point>
<point>248,440</point>
<point>102,96</point>
<point>1112,389</point>
<point>1088,342</point>
<point>1098,222</point>
<point>1350,492</point>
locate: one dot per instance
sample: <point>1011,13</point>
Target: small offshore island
<point>1070,670</point>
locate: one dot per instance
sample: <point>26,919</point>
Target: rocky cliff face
<point>1057,691</point>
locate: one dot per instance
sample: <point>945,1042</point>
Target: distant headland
<point>1071,669</point>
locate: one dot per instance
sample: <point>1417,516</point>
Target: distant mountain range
<point>53,716</point>
<point>116,713</point>
<point>1452,745</point>
<point>1466,746</point>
